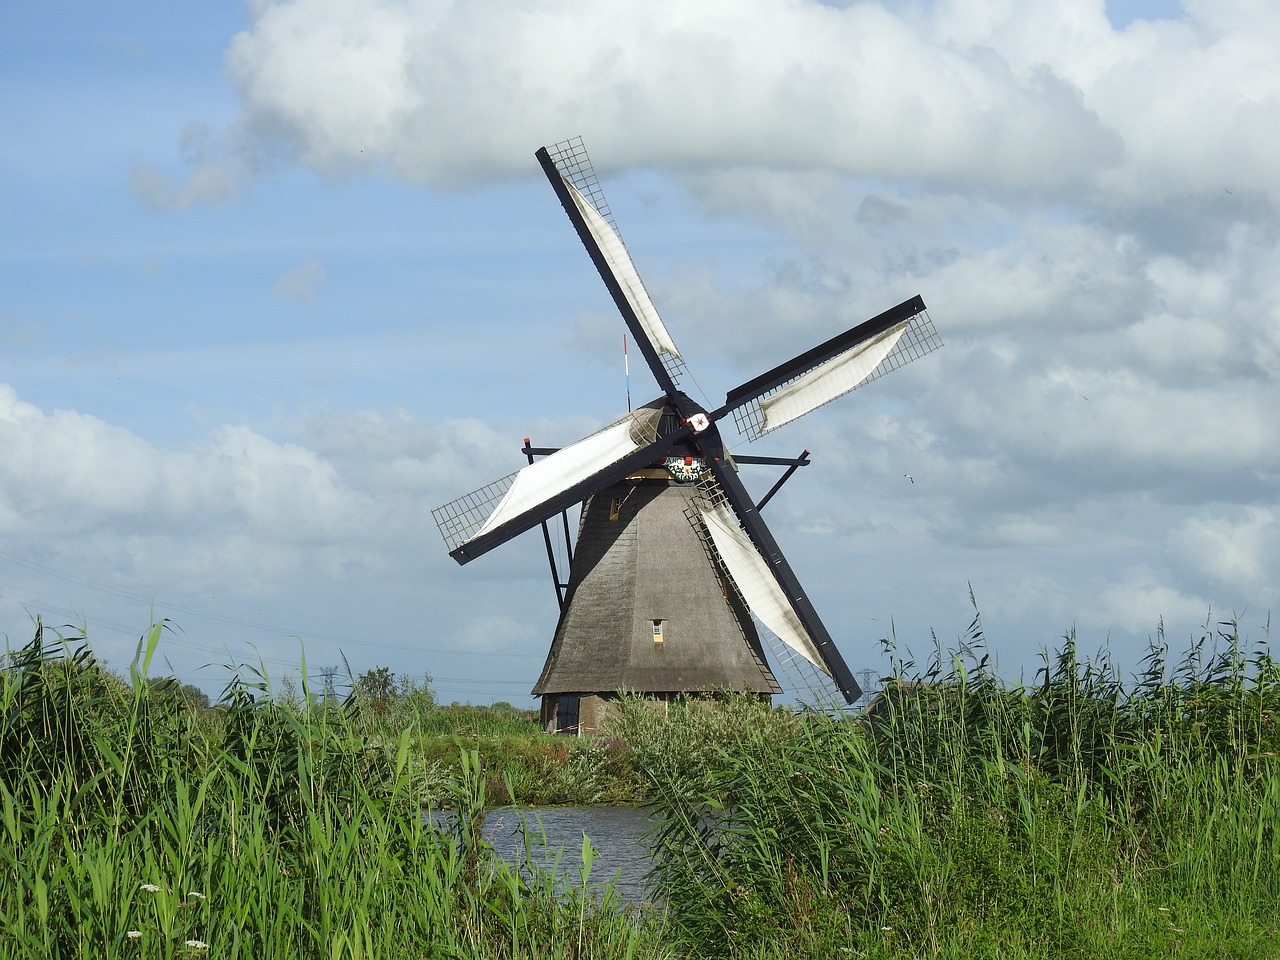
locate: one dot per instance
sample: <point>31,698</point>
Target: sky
<point>278,278</point>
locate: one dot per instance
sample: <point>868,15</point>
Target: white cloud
<point>452,92</point>
<point>1177,91</point>
<point>216,166</point>
<point>239,509</point>
<point>1235,548</point>
<point>1138,601</point>
<point>236,506</point>
<point>992,94</point>
<point>61,468</point>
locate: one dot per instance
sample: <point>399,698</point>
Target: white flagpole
<point>626,366</point>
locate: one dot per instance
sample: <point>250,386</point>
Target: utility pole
<point>866,675</point>
<point>327,674</point>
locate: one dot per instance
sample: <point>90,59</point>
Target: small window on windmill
<point>657,631</point>
<point>614,506</point>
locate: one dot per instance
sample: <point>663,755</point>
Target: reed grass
<point>638,747</point>
<point>1078,816</point>
<point>132,826</point>
<point>1082,814</point>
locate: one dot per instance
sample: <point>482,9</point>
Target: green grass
<point>1078,817</point>
<point>133,826</point>
<point>1081,815</point>
<point>639,747</point>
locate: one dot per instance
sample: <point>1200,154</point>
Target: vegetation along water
<point>1080,815</point>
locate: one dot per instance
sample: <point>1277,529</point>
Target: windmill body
<point>645,612</point>
<point>675,578</point>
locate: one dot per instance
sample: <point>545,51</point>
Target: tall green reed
<point>131,829</point>
<point>963,814</point>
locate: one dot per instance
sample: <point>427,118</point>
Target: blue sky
<point>277,279</point>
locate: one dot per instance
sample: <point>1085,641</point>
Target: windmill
<point>675,575</point>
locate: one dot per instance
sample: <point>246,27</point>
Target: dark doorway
<point>567,713</point>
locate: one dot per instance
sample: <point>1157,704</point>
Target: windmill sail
<point>758,587</point>
<point>825,383</point>
<point>615,254</point>
<point>785,604</point>
<point>830,370</point>
<point>569,170</point>
<point>523,499</point>
<point>547,477</point>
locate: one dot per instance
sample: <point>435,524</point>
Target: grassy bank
<point>638,750</point>
<point>1080,816</point>
<point>132,825</point>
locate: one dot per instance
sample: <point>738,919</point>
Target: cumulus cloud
<point>235,506</point>
<point>238,506</point>
<point>452,92</point>
<point>988,94</point>
<point>1232,547</point>
<point>204,185</point>
<point>1139,601</point>
<point>61,468</point>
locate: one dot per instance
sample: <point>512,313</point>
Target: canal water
<point>555,838</point>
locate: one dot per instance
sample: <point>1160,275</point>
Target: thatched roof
<point>649,564</point>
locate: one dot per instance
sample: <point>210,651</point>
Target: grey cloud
<point>216,166</point>
<point>204,185</point>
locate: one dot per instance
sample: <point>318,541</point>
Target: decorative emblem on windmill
<point>674,577</point>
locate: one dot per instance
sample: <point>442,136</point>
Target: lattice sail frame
<point>813,686</point>
<point>571,160</point>
<point>461,519</point>
<point>919,338</point>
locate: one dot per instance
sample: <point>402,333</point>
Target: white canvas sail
<point>625,272</point>
<point>760,590</point>
<point>540,481</point>
<point>829,380</point>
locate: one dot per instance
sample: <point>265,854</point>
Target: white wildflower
<point>134,934</point>
<point>149,888</point>
<point>196,895</point>
<point>197,945</point>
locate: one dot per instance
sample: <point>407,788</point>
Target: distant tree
<point>416,695</point>
<point>286,692</point>
<point>171,689</point>
<point>193,696</point>
<point>376,688</point>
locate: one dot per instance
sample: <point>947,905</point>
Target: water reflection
<point>555,837</point>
